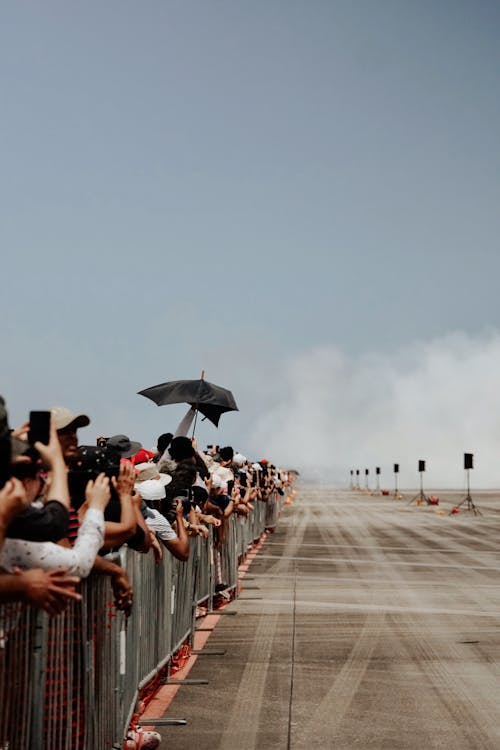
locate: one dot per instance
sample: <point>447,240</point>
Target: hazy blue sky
<point>230,185</point>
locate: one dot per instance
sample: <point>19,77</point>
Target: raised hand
<point>122,590</point>
<point>51,454</point>
<point>97,492</point>
<point>124,483</point>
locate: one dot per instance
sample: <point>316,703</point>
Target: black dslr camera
<point>169,504</point>
<point>92,462</point>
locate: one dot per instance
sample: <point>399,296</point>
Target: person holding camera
<point>150,485</point>
<point>182,489</point>
<point>22,552</point>
<point>67,423</point>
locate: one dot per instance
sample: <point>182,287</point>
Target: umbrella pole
<point>194,426</point>
<point>196,415</point>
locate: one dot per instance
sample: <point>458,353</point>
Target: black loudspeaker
<point>357,472</point>
<point>377,470</point>
<point>421,465</point>
<point>468,460</point>
<point>396,468</point>
<point>367,471</point>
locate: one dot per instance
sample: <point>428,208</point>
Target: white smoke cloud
<point>432,401</point>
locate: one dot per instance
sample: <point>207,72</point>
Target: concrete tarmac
<point>364,622</point>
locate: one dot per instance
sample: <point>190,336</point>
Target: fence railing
<point>72,682</point>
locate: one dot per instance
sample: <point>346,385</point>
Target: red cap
<point>142,457</point>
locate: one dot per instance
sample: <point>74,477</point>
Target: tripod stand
<point>367,486</point>
<point>377,490</point>
<point>420,497</point>
<point>397,494</point>
<point>467,499</point>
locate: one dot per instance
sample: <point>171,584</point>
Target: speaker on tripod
<point>420,497</point>
<point>367,472</point>
<point>396,490</point>
<point>468,465</point>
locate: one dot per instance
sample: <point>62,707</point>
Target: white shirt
<point>78,560</point>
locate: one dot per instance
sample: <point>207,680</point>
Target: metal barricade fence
<point>17,636</point>
<point>258,520</point>
<point>229,556</point>
<point>146,637</point>
<point>72,682</point>
<point>242,537</point>
<point>272,510</point>
<point>204,571</point>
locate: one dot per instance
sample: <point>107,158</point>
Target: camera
<point>186,497</point>
<point>169,504</point>
<point>92,462</point>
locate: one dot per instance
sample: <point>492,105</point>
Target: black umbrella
<point>209,399</point>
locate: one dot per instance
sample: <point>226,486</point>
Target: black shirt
<point>46,524</point>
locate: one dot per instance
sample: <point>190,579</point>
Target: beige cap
<point>63,417</point>
<point>149,472</point>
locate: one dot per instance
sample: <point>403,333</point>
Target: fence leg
<point>38,681</point>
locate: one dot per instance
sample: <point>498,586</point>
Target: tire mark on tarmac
<point>244,719</point>
<point>326,718</point>
<point>467,719</point>
<point>467,724</point>
<point>244,722</point>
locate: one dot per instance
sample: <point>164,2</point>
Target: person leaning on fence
<point>22,553</point>
<point>150,484</point>
<point>162,444</point>
<point>67,423</point>
<point>48,590</point>
<point>179,491</point>
<point>242,498</point>
<point>46,517</point>
<point>183,450</point>
<point>188,480</point>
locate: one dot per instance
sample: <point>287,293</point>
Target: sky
<point>300,198</point>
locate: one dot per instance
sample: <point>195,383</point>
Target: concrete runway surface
<point>365,622</point>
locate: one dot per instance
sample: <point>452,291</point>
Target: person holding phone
<point>50,591</point>
<point>44,480</point>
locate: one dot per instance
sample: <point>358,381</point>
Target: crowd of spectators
<point>64,506</point>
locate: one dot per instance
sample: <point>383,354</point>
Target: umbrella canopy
<point>211,400</point>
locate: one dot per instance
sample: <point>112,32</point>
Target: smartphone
<point>39,427</point>
<point>185,496</point>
